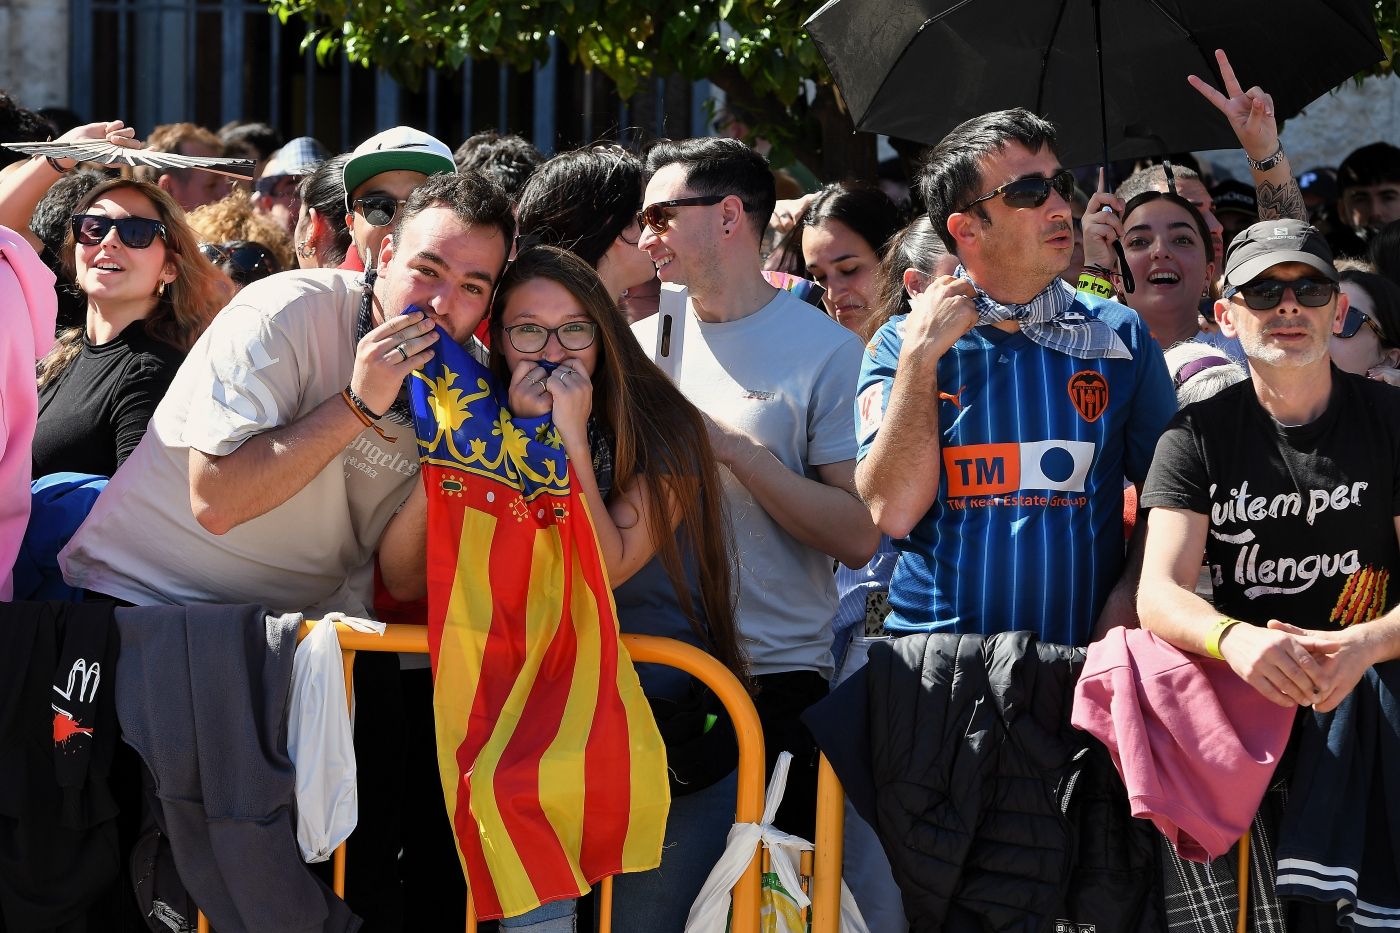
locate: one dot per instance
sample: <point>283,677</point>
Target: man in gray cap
<point>1286,484</point>
<point>275,191</point>
<point>381,173</point>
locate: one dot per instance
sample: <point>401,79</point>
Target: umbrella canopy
<point>917,68</point>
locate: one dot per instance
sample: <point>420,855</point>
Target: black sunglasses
<point>531,338</point>
<point>1263,294</point>
<point>1030,192</point>
<point>135,232</point>
<point>277,186</point>
<point>244,260</point>
<point>655,216</point>
<point>377,210</point>
<point>1351,325</point>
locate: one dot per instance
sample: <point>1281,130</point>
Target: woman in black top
<point>150,294</point>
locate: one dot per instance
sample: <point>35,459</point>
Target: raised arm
<point>898,478</point>
<point>1251,114</point>
<point>22,189</point>
<point>271,466</point>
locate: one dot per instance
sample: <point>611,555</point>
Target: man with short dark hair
<point>999,418</point>
<point>189,187</point>
<point>1368,196</point>
<point>275,193</point>
<point>508,160</point>
<point>273,468</point>
<point>776,380</point>
<point>1286,484</point>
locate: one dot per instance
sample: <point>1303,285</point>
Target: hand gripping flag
<point>552,767</point>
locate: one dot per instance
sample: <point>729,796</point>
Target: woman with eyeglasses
<point>639,448</point>
<point>150,294</point>
<point>586,201</point>
<point>1172,261</point>
<point>1368,340</point>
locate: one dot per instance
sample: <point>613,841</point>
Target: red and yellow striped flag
<point>552,767</point>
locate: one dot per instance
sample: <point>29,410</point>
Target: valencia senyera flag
<point>552,767</point>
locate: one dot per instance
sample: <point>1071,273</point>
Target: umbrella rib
<point>908,45</point>
<point>1045,59</point>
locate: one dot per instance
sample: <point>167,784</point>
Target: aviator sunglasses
<point>1263,294</point>
<point>1351,325</point>
<point>378,210</point>
<point>1030,192</point>
<point>655,216</point>
<point>135,232</point>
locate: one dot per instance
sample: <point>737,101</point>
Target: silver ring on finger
<point>402,352</point>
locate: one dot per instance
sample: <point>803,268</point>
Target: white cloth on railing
<point>710,912</point>
<point>320,740</point>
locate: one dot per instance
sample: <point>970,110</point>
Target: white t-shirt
<point>785,376</point>
<point>284,346</point>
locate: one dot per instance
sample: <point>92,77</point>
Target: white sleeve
<point>321,744</point>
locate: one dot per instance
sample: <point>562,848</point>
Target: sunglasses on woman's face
<point>656,217</point>
<point>1263,294</point>
<point>377,210</point>
<point>135,232</point>
<point>1351,325</point>
<point>244,262</point>
<point>1030,192</point>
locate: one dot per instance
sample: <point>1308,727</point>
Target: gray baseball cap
<point>1269,243</point>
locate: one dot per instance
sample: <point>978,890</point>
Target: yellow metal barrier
<point>644,649</point>
<point>829,844</point>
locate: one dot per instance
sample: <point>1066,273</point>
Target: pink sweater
<point>28,305</point>
<point>1196,745</point>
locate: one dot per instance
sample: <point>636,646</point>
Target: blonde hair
<point>189,302</point>
<point>233,218</point>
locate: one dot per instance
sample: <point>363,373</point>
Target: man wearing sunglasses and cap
<point>379,176</point>
<point>1286,484</point>
<point>999,418</point>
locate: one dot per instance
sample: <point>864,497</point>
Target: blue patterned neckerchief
<point>1049,320</point>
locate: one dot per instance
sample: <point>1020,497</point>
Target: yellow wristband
<point>1095,285</point>
<point>1216,633</point>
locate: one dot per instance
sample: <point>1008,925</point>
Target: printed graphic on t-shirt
<point>992,470</point>
<point>1265,571</point>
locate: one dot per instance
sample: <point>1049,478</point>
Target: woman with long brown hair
<point>642,451</point>
<point>150,294</point>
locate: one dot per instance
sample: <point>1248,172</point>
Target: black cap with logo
<point>1269,243</point>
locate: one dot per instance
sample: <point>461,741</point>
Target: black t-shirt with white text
<point>1302,524</point>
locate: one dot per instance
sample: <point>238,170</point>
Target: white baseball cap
<point>401,149</point>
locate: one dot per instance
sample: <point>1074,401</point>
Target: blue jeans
<point>659,900</point>
<point>554,917</point>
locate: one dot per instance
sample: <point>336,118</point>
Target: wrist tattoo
<point>1283,201</point>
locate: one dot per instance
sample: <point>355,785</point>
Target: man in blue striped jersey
<point>999,419</point>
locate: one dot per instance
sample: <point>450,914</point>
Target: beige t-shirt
<point>284,346</point>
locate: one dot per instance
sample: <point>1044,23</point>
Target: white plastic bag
<point>320,740</point>
<point>782,896</point>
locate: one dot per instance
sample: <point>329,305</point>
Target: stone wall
<point>1340,122</point>
<point>34,36</point>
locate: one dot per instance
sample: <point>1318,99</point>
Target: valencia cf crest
<point>1088,390</point>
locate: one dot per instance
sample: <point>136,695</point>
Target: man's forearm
<point>1278,194</point>
<point>827,518</point>
<point>403,549</point>
<point>898,479</point>
<point>268,468</point>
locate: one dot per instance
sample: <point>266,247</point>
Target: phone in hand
<point>670,330</point>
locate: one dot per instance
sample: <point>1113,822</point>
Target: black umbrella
<point>917,68</point>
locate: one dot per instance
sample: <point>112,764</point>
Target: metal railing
<point>748,805</point>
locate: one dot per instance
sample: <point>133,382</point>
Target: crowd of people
<point>950,416</point>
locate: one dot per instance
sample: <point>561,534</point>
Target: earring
<point>160,289</point>
<point>305,250</point>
